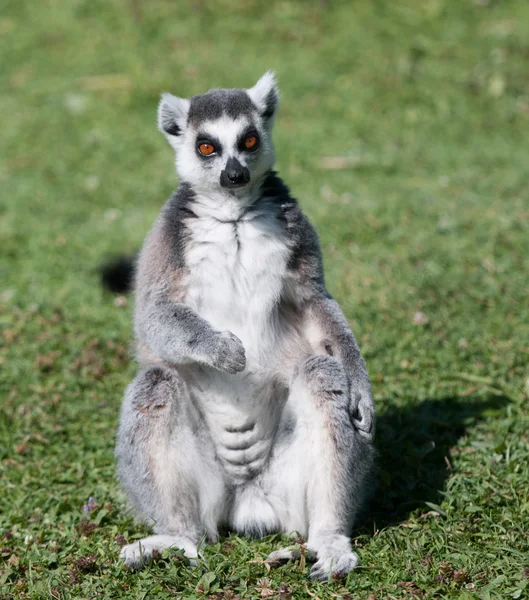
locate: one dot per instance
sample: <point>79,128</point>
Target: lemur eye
<point>250,142</point>
<point>206,149</point>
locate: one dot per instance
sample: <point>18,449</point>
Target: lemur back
<point>252,393</point>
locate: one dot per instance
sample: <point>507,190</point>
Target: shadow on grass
<point>413,445</point>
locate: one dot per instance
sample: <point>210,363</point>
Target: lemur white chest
<point>237,272</point>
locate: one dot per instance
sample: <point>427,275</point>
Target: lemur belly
<point>238,272</point>
<point>241,414</point>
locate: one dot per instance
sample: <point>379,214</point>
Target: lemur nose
<point>234,174</point>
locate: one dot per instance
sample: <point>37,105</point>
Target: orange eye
<point>250,142</point>
<point>206,149</point>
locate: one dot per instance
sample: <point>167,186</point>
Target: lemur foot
<point>140,553</point>
<point>335,558</point>
<point>335,566</point>
<point>283,555</point>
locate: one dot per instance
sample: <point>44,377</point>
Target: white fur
<point>260,91</point>
<point>237,268</point>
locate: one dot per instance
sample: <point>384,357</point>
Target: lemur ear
<point>265,95</point>
<point>172,115</point>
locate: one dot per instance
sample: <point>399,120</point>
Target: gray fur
<point>174,216</point>
<point>212,105</point>
<point>253,407</point>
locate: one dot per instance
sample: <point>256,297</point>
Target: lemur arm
<point>165,326</point>
<point>323,318</point>
<point>332,335</point>
<point>177,335</point>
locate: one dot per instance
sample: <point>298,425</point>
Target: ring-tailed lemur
<point>252,409</point>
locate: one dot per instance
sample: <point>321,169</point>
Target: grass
<point>424,223</point>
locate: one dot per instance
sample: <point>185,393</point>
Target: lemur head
<point>222,138</point>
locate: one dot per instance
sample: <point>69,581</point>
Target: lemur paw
<point>334,566</point>
<point>362,413</point>
<point>229,355</point>
<point>283,555</point>
<point>142,552</point>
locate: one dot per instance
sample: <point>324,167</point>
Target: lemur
<point>252,409</point>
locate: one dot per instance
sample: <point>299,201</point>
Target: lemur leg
<point>335,463</point>
<point>158,459</point>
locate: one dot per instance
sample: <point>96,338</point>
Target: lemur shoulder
<point>252,407</point>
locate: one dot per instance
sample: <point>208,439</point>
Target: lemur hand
<point>362,411</point>
<point>228,353</point>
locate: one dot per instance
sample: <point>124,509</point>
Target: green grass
<point>428,101</point>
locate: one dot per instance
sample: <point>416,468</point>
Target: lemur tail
<point>117,274</point>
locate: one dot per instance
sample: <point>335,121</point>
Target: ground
<point>403,131</point>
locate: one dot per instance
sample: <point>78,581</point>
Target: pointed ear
<point>265,95</point>
<point>172,115</point>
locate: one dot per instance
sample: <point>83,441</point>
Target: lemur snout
<point>234,175</point>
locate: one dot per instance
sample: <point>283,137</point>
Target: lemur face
<point>222,138</point>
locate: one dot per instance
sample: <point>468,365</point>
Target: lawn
<point>404,132</point>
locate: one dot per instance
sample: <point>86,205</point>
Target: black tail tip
<point>117,274</point>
